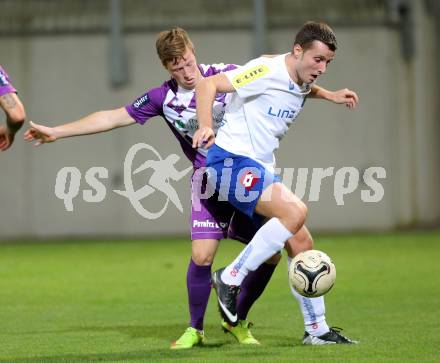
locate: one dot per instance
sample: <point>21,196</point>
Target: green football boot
<point>189,339</point>
<point>241,332</point>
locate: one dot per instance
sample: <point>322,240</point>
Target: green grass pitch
<point>125,301</point>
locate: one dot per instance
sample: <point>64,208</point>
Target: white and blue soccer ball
<point>312,273</point>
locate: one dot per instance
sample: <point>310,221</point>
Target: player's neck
<point>290,65</point>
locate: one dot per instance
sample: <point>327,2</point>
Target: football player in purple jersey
<point>211,221</point>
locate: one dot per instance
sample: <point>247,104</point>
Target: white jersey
<point>265,104</point>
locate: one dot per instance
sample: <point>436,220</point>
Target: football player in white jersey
<point>267,95</point>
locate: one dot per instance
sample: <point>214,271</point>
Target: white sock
<point>268,240</point>
<point>313,310</point>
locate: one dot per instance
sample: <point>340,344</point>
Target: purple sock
<point>252,287</point>
<point>198,282</point>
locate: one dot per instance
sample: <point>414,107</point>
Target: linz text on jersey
<point>280,113</point>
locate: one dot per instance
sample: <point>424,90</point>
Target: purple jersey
<point>178,107</point>
<point>5,83</point>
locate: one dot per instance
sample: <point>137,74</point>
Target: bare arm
<point>15,116</point>
<point>92,124</point>
<point>206,90</point>
<point>343,96</point>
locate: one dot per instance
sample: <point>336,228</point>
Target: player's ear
<point>167,66</point>
<point>297,50</point>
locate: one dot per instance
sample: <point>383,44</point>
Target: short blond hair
<point>172,44</point>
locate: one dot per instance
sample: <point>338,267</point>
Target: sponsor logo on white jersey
<point>279,112</point>
<point>250,75</point>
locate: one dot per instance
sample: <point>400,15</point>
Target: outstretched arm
<point>92,124</point>
<point>206,90</point>
<point>15,116</point>
<point>343,96</point>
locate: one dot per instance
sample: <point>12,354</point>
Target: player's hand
<point>39,134</point>
<point>345,96</point>
<point>6,138</point>
<point>203,137</point>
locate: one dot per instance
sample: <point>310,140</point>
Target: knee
<point>302,211</point>
<point>202,258</point>
<point>295,217</point>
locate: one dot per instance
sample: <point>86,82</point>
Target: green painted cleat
<point>241,332</point>
<point>189,339</point>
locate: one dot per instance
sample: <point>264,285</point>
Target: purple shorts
<point>214,219</point>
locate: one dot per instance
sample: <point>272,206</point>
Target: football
<point>312,273</point>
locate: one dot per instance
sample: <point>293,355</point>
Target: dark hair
<point>171,45</point>
<point>311,31</point>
